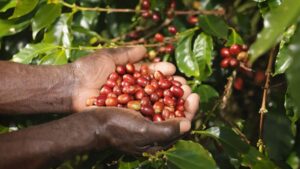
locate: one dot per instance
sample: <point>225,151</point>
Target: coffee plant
<point>241,57</point>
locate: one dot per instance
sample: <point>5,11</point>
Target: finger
<point>191,105</point>
<point>124,55</point>
<point>186,91</point>
<point>165,131</point>
<point>180,79</point>
<point>165,67</point>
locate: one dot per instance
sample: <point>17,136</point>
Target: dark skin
<point>26,89</point>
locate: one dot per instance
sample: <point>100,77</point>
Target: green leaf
<point>208,95</point>
<point>58,57</point>
<point>27,54</point>
<point>44,17</point>
<point>234,38</point>
<point>292,111</point>
<point>60,33</point>
<point>185,59</point>
<point>10,27</point>
<point>190,155</point>
<point>203,51</point>
<point>128,165</point>
<point>23,7</point>
<point>237,149</point>
<point>3,129</point>
<point>275,23</point>
<point>283,58</point>
<point>214,26</point>
<point>8,5</point>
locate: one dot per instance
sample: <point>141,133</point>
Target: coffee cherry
<point>164,83</point>
<point>105,90</point>
<point>117,90</point>
<point>169,101</point>
<point>154,83</point>
<point>154,97</point>
<point>145,4</point>
<point>177,91</point>
<point>238,83</point>
<point>165,114</point>
<point>158,107</point>
<point>152,54</point>
<point>193,20</point>
<point>157,118</point>
<point>225,52</point>
<point>111,95</point>
<point>141,81</point>
<point>172,30</point>
<point>159,37</point>
<point>129,89</point>
<point>124,83</point>
<point>146,14</point>
<point>170,108</point>
<point>130,68</point>
<point>180,101</point>
<point>134,105</point>
<point>235,49</point>
<point>147,110</point>
<point>144,70</point>
<point>242,56</point>
<point>179,113</point>
<point>111,101</point>
<point>149,89</point>
<point>158,75</point>
<point>121,70</point>
<point>160,93</point>
<point>140,94</point>
<point>168,92</point>
<point>225,63</point>
<point>155,17</point>
<point>180,107</point>
<point>136,75</point>
<point>114,76</point>
<point>233,62</point>
<point>111,83</point>
<point>169,48</point>
<point>176,83</point>
<point>145,101</point>
<point>128,78</point>
<point>124,98</point>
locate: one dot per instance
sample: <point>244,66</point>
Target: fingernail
<point>185,126</point>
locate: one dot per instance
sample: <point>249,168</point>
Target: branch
<point>263,109</point>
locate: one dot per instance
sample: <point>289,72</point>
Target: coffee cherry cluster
<point>231,57</point>
<point>156,96</point>
<point>154,15</point>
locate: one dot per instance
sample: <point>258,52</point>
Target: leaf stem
<point>75,7</point>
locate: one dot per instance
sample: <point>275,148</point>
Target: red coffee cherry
<point>117,90</point>
<point>129,78</point>
<point>157,118</point>
<point>111,95</point>
<point>134,105</point>
<point>105,90</point>
<point>244,47</point>
<point>147,110</point>
<point>158,107</point>
<point>165,114</point>
<point>179,113</point>
<point>130,68</point>
<point>113,76</point>
<point>149,89</point>
<point>169,101</point>
<point>141,81</point>
<point>111,101</point>
<point>145,4</point>
<point>180,107</point>
<point>225,52</point>
<point>169,48</point>
<point>170,108</point>
<point>144,70</point>
<point>124,98</point>
<point>180,101</point>
<point>177,91</point>
<point>140,94</point>
<point>137,75</point>
<point>154,97</point>
<point>176,83</point>
<point>129,89</point>
<point>159,37</point>
<point>155,17</point>
<point>160,93</point>
<point>172,30</point>
<point>111,83</point>
<point>193,20</point>
<point>146,14</point>
<point>238,83</point>
<point>101,100</point>
<point>158,75</point>
<point>233,62</point>
<point>164,83</point>
<point>120,69</point>
<point>235,49</point>
<point>168,92</point>
<point>145,101</point>
<point>225,63</point>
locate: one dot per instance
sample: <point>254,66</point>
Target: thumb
<point>124,55</point>
<point>168,130</point>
